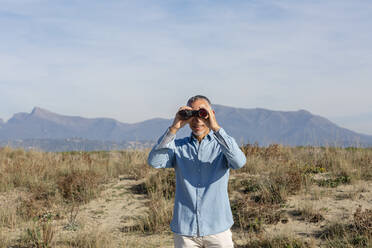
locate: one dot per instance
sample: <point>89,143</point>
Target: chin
<point>198,133</point>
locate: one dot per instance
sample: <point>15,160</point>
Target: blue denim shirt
<point>201,204</point>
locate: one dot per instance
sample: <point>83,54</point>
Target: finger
<point>184,122</point>
<point>211,114</point>
<point>188,120</point>
<point>207,107</point>
<point>184,107</point>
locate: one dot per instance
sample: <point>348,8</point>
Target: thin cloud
<point>287,55</point>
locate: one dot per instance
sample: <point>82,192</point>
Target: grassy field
<point>282,197</point>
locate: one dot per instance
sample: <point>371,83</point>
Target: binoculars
<point>186,113</point>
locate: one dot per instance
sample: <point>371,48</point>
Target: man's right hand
<point>178,123</point>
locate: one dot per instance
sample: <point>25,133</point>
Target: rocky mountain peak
<point>304,112</point>
<point>42,113</point>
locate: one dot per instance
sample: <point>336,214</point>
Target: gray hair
<point>197,97</point>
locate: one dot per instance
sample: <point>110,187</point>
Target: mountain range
<point>50,131</point>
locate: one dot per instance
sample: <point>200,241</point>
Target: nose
<point>197,119</point>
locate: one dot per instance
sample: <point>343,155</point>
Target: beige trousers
<point>219,240</point>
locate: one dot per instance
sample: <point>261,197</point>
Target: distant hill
<point>245,125</point>
<point>286,127</point>
<point>73,144</point>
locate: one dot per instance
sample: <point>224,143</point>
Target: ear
<point>214,112</point>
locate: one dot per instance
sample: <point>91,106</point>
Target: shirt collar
<point>209,136</point>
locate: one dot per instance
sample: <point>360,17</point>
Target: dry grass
<point>157,218</point>
<point>92,239</point>
<point>358,233</point>
<point>40,235</point>
<point>307,212</point>
<point>59,185</point>
<point>275,242</point>
<point>4,241</point>
<point>8,216</point>
<point>160,189</point>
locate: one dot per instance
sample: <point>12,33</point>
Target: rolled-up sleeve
<point>235,157</point>
<point>162,154</point>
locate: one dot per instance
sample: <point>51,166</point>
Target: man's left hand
<point>211,121</point>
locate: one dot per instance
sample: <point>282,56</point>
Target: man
<point>202,215</point>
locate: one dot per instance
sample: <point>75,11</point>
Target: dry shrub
<point>280,183</point>
<point>313,169</point>
<point>365,162</point>
<point>42,198</point>
<point>356,234</point>
<point>275,242</point>
<point>270,193</point>
<point>138,171</point>
<point>251,149</point>
<point>249,185</point>
<point>273,151</point>
<point>157,218</point>
<point>308,213</point>
<point>39,235</point>
<point>250,216</point>
<point>30,208</point>
<point>334,182</point>
<point>343,235</point>
<point>79,186</point>
<point>363,221</point>
<point>260,197</point>
<point>290,177</point>
<point>44,190</point>
<point>162,184</point>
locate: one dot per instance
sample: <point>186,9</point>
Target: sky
<point>136,60</point>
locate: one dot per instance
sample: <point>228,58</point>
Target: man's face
<point>196,124</point>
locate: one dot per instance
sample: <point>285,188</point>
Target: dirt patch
<point>116,211</point>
